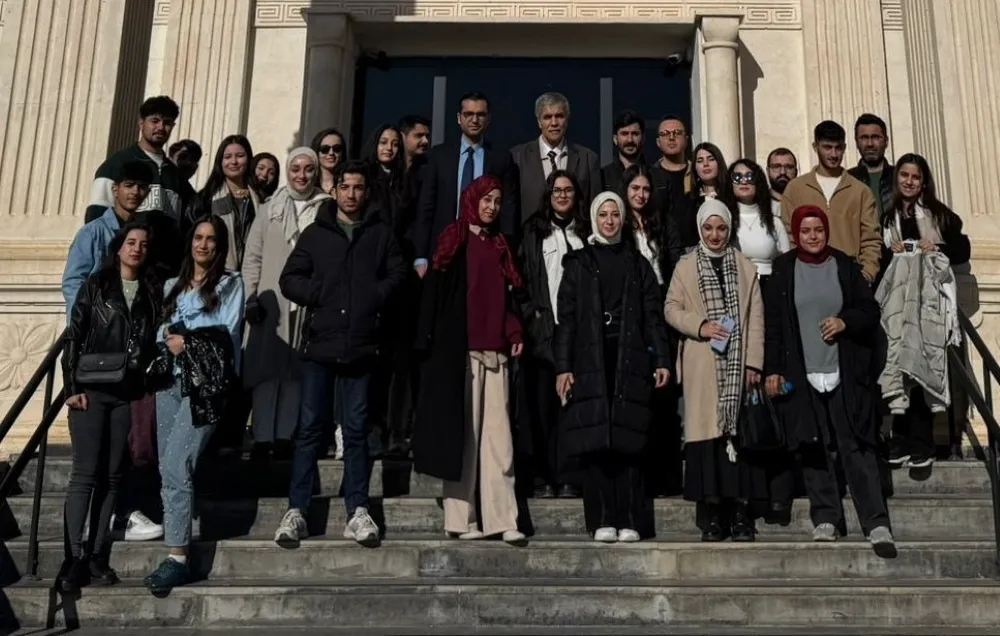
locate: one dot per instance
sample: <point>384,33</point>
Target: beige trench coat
<point>685,311</point>
<point>270,351</point>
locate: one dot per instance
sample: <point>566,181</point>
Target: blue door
<point>407,86</point>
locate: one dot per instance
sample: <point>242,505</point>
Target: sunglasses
<point>325,150</point>
<point>743,178</point>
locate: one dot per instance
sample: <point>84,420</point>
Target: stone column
<point>722,96</point>
<point>327,91</point>
<point>59,66</point>
<point>845,62</point>
<point>206,68</point>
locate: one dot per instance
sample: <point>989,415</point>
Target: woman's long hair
<point>940,212</point>
<point>721,181</point>
<point>110,275</point>
<point>369,155</point>
<point>652,223</point>
<point>207,290</point>
<point>762,198</point>
<point>264,190</point>
<point>581,223</point>
<point>217,179</point>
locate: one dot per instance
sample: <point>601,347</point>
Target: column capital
<point>720,31</point>
<point>327,26</point>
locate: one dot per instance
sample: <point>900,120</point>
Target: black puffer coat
<point>593,422</point>
<point>783,351</point>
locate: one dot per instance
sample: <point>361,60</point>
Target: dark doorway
<point>407,85</point>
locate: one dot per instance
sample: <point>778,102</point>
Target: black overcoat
<point>592,422</point>
<point>783,351</point>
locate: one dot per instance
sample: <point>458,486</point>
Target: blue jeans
<point>348,385</point>
<point>180,443</point>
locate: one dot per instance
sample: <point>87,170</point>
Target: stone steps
<point>714,630</point>
<point>913,517</point>
<point>436,560</point>
<point>470,604</point>
<point>396,478</point>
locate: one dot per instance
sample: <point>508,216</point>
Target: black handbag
<point>101,368</point>
<point>759,426</point>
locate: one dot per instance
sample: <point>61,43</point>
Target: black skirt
<point>710,476</point>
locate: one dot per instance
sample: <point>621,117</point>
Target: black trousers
<point>841,458</point>
<point>543,413</point>
<point>99,439</point>
<point>613,492</point>
<point>913,431</point>
<point>663,464</point>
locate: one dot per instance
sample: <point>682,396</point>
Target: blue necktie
<point>468,170</point>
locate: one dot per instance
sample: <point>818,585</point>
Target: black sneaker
<point>171,573</point>
<point>919,461</point>
<point>743,526</point>
<point>897,456</point>
<point>102,574</point>
<point>76,575</point>
<point>545,491</point>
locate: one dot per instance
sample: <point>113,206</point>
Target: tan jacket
<point>685,311</point>
<point>853,214</point>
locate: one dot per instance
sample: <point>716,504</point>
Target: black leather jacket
<point>101,322</point>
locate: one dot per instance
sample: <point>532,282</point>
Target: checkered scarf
<point>724,302</point>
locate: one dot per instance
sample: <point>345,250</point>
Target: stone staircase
<point>943,580</point>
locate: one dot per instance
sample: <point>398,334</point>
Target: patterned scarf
<point>721,302</point>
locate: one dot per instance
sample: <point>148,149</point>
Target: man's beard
<point>779,185</point>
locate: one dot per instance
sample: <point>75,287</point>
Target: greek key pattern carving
<point>771,14</point>
<point>161,12</point>
<point>892,15</point>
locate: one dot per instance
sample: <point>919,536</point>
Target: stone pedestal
<point>722,96</point>
<point>329,78</point>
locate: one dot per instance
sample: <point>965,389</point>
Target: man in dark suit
<point>537,158</point>
<point>628,129</point>
<point>450,168</point>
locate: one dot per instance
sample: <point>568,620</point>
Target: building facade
<point>750,75</point>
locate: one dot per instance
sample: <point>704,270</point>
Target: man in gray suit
<point>536,159</point>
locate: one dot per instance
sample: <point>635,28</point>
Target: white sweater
<point>755,241</point>
<point>554,247</point>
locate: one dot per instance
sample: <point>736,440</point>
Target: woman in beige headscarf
<point>272,341</point>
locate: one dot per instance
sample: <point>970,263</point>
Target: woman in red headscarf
<point>821,321</point>
<point>468,330</point>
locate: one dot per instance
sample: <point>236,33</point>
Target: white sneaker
<point>140,528</point>
<point>362,528</point>
<point>514,537</point>
<point>606,535</point>
<point>825,533</point>
<point>472,535</point>
<point>628,535</point>
<point>291,530</point>
<point>338,439</point>
<point>881,537</point>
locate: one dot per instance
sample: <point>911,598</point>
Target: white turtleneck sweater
<point>554,247</point>
<point>755,241</point>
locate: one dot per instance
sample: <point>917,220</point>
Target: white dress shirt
<point>561,153</point>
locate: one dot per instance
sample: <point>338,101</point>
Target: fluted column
<point>58,71</point>
<point>206,68</point>
<point>330,59</point>
<point>720,45</point>
<point>845,60</point>
<point>131,83</point>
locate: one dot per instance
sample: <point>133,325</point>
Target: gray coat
<point>271,345</point>
<point>582,162</point>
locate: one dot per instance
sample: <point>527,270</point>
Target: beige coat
<point>270,351</point>
<point>685,311</point>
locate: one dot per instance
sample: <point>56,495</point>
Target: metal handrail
<point>990,364</point>
<point>47,363</point>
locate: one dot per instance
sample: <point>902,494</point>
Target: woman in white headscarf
<point>611,351</point>
<point>272,342</point>
<point>714,303</point>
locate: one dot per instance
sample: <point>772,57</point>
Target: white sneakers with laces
<point>362,528</point>
<point>140,528</point>
<point>291,530</point>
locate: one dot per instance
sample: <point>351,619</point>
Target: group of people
<point>482,305</point>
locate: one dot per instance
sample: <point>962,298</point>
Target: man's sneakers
<point>362,528</point>
<point>140,528</point>
<point>291,530</point>
<point>825,533</point>
<point>882,542</point>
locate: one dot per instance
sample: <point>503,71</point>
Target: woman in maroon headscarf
<point>820,326</point>
<point>467,330</point>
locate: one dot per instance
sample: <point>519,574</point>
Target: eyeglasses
<point>743,178</point>
<point>559,192</point>
<point>671,134</point>
<point>325,150</point>
<point>786,167</point>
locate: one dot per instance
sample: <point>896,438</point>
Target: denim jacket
<point>86,254</point>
